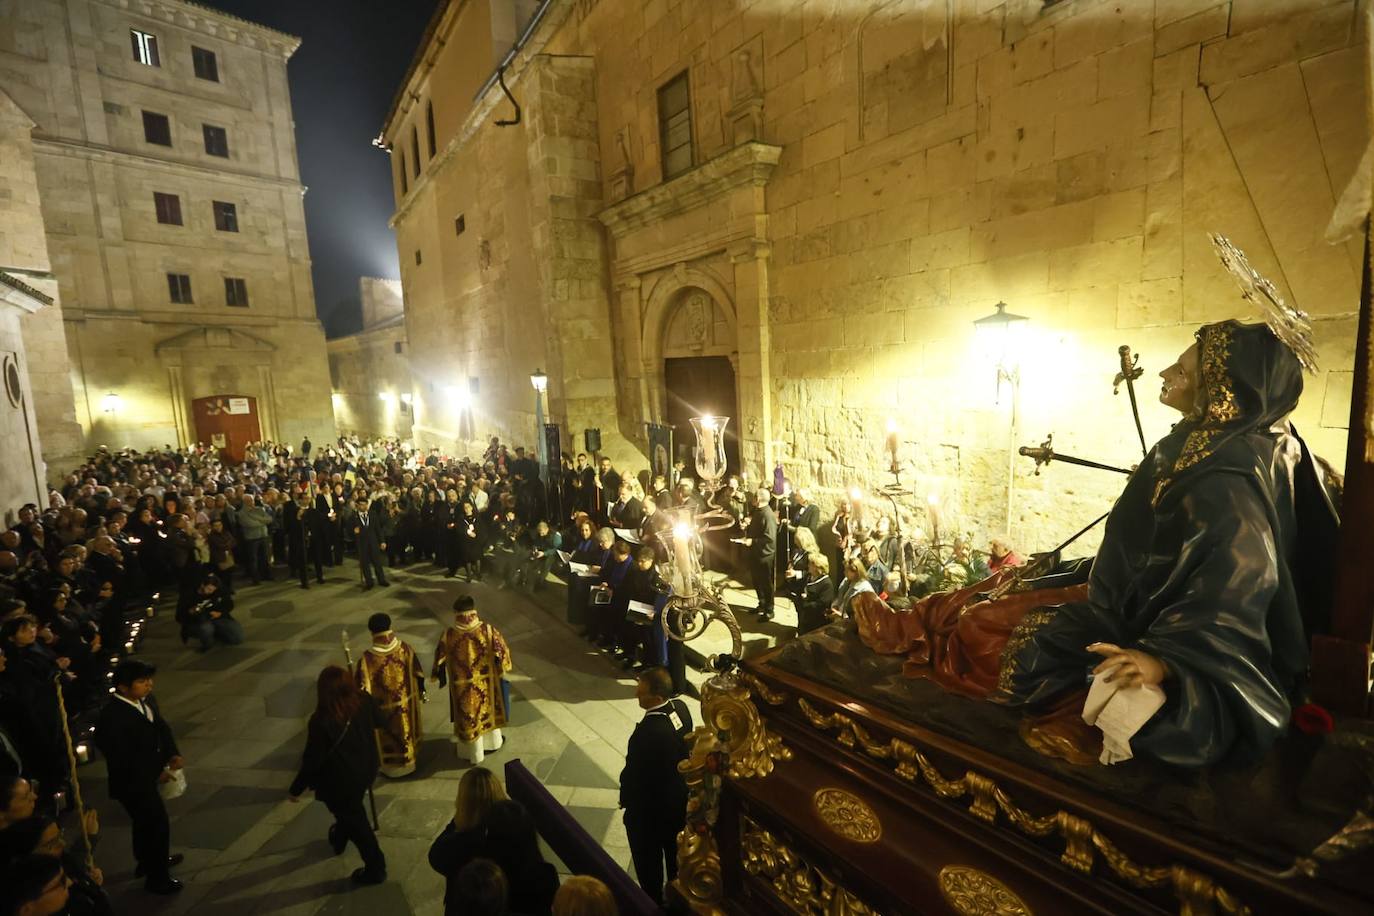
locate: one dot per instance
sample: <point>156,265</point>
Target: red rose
<point>1311,719</point>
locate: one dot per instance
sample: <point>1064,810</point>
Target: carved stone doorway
<point>699,385</point>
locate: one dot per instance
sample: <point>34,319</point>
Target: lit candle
<point>933,513</point>
<point>892,440</point>
<point>856,510</point>
<point>82,754</point>
<point>682,558</point>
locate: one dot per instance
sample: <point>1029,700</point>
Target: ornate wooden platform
<point>815,802</point>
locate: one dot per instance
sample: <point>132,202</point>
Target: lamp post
<point>540,382</point>
<point>999,336</point>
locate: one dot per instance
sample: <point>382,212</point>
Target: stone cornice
<point>69,147</point>
<point>210,21</point>
<point>749,164</point>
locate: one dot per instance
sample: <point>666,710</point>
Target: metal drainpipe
<point>515,48</point>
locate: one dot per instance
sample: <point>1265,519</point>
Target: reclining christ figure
<point>1208,584</point>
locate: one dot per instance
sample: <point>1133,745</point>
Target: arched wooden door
<point>228,422</point>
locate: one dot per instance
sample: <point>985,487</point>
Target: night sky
<point>352,56</point>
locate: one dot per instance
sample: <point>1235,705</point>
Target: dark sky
<point>352,56</point>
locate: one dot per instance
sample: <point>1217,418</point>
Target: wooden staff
<point>76,783</point>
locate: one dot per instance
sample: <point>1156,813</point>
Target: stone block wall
<point>1067,159</point>
<point>370,378</point>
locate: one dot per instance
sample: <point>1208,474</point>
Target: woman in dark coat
<point>506,836</point>
<point>340,763</point>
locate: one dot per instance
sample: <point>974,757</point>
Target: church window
<point>145,48</point>
<point>179,287</point>
<point>157,129</point>
<point>226,217</point>
<point>235,292</point>
<point>216,141</point>
<point>168,208</point>
<point>675,125</point>
<point>429,128</point>
<point>205,63</point>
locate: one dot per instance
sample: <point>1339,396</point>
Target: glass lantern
<point>709,452</point>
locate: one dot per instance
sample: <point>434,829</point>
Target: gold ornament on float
<point>847,815</point>
<point>970,892</point>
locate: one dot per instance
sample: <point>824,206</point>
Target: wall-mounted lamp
<point>110,403</point>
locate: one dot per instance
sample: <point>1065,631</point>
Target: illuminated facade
<point>166,160</point>
<point>801,209</point>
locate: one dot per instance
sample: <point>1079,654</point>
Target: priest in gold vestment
<point>392,672</point>
<point>474,658</point>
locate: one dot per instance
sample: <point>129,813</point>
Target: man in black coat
<point>607,482</point>
<point>626,511</point>
<point>307,535</point>
<point>140,754</point>
<point>652,791</point>
<point>369,531</point>
<point>761,537</point>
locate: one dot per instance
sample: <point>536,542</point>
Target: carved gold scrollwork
<point>848,815</point>
<point>727,709</point>
<point>970,892</point>
<point>798,885</point>
<point>770,696</point>
<point>1196,893</point>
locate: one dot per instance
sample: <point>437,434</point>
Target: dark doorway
<point>699,385</point>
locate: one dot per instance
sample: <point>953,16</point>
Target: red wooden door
<point>228,422</point>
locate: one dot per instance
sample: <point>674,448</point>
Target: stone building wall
<point>26,298</point>
<point>369,372</point>
<point>871,179</point>
<point>71,65</point>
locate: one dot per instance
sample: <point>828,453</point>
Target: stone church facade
<point>369,371</point>
<point>793,214</point>
<point>165,155</point>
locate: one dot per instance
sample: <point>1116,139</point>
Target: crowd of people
<point>78,577</point>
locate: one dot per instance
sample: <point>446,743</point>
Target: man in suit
<point>801,513</point>
<point>627,511</point>
<point>330,507</point>
<point>607,484</point>
<point>761,537</point>
<point>140,753</point>
<point>306,535</point>
<point>652,791</point>
<point>369,531</point>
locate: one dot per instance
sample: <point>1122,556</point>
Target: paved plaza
<point>239,714</point>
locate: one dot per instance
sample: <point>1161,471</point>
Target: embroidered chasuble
<point>392,673</point>
<point>474,659</point>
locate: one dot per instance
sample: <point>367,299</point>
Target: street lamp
<point>999,336</point>
<point>110,403</point>
<point>540,383</point>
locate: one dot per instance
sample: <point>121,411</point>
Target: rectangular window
<point>399,347</point>
<point>401,170</point>
<point>145,48</point>
<point>216,141</point>
<point>205,64</point>
<point>157,129</point>
<point>179,286</point>
<point>417,257</point>
<point>429,128</point>
<point>415,151</point>
<point>235,292</point>
<point>460,224</point>
<point>226,217</point>
<point>168,208</point>
<point>675,126</point>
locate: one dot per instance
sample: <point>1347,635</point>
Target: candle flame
<point>855,494</point>
<point>891,425</point>
<point>682,530</point>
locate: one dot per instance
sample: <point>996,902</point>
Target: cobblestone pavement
<point>239,715</point>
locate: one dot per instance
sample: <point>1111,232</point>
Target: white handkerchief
<point>1119,712</point>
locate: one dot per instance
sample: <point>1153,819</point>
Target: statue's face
<point>1180,387</point>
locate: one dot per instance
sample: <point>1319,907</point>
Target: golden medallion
<point>847,815</point>
<point>970,892</point>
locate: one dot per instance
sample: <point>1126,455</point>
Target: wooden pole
<point>76,783</point>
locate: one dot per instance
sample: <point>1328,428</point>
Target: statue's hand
<point>1133,667</point>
